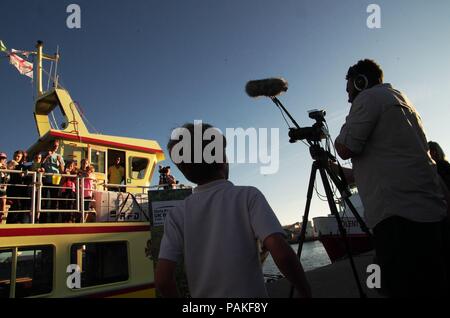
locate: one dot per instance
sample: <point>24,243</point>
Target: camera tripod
<point>313,135</point>
<point>321,163</point>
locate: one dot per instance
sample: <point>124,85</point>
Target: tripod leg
<point>334,211</point>
<point>345,194</point>
<point>302,235</point>
<point>301,238</point>
<point>358,217</point>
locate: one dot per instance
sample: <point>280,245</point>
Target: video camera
<point>316,132</point>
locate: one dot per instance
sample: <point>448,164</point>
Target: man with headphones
<point>398,184</point>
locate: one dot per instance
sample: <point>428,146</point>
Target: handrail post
<point>12,285</point>
<point>39,196</point>
<point>78,194</point>
<point>33,199</point>
<point>82,199</point>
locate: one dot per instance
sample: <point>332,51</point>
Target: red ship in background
<point>327,231</point>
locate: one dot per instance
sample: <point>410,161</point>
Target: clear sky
<point>141,68</point>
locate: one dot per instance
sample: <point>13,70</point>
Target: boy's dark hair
<point>198,172</point>
<point>368,68</point>
<point>68,163</point>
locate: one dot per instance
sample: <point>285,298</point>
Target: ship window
<point>98,160</point>
<point>34,271</point>
<point>138,167</point>
<point>101,263</point>
<point>5,272</point>
<point>72,152</point>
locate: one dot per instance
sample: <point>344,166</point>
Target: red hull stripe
<point>72,230</point>
<point>104,142</point>
<point>120,291</point>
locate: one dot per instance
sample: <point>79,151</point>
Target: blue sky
<point>141,68</point>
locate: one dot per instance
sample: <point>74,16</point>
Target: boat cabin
<point>138,156</point>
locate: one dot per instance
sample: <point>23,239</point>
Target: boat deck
<point>332,281</point>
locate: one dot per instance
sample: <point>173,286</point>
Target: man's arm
<point>165,278</point>
<point>343,151</point>
<point>61,164</point>
<point>170,253</point>
<point>359,124</point>
<point>348,172</point>
<point>171,179</point>
<point>288,263</point>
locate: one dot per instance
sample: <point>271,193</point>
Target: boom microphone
<point>269,87</point>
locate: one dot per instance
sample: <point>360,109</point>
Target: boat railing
<point>24,193</point>
<point>44,194</point>
<point>60,204</point>
<point>121,187</point>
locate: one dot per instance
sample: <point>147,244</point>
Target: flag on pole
<point>24,53</point>
<point>2,46</point>
<point>23,66</point>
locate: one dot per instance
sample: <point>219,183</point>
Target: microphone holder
<point>282,108</point>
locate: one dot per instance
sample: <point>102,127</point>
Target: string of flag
<point>17,58</point>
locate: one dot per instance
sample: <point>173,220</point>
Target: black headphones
<point>360,82</point>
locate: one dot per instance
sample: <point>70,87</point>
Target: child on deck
<point>90,181</point>
<point>36,165</point>
<point>68,192</point>
<point>217,228</point>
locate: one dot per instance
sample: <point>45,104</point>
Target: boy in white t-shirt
<point>216,229</point>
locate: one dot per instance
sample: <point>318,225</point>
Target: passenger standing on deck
<point>443,166</point>
<point>4,178</point>
<point>17,158</point>
<point>52,163</point>
<point>68,192</point>
<point>216,230</point>
<point>36,165</point>
<point>398,184</point>
<point>89,185</point>
<point>116,174</point>
<point>14,187</point>
<point>87,172</point>
<point>24,191</point>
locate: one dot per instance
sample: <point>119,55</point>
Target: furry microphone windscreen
<point>266,87</point>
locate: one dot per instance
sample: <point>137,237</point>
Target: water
<point>313,256</point>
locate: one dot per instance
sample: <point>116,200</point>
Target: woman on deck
<point>14,190</point>
<point>68,192</point>
<point>87,172</point>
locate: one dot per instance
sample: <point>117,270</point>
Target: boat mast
<point>40,56</point>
